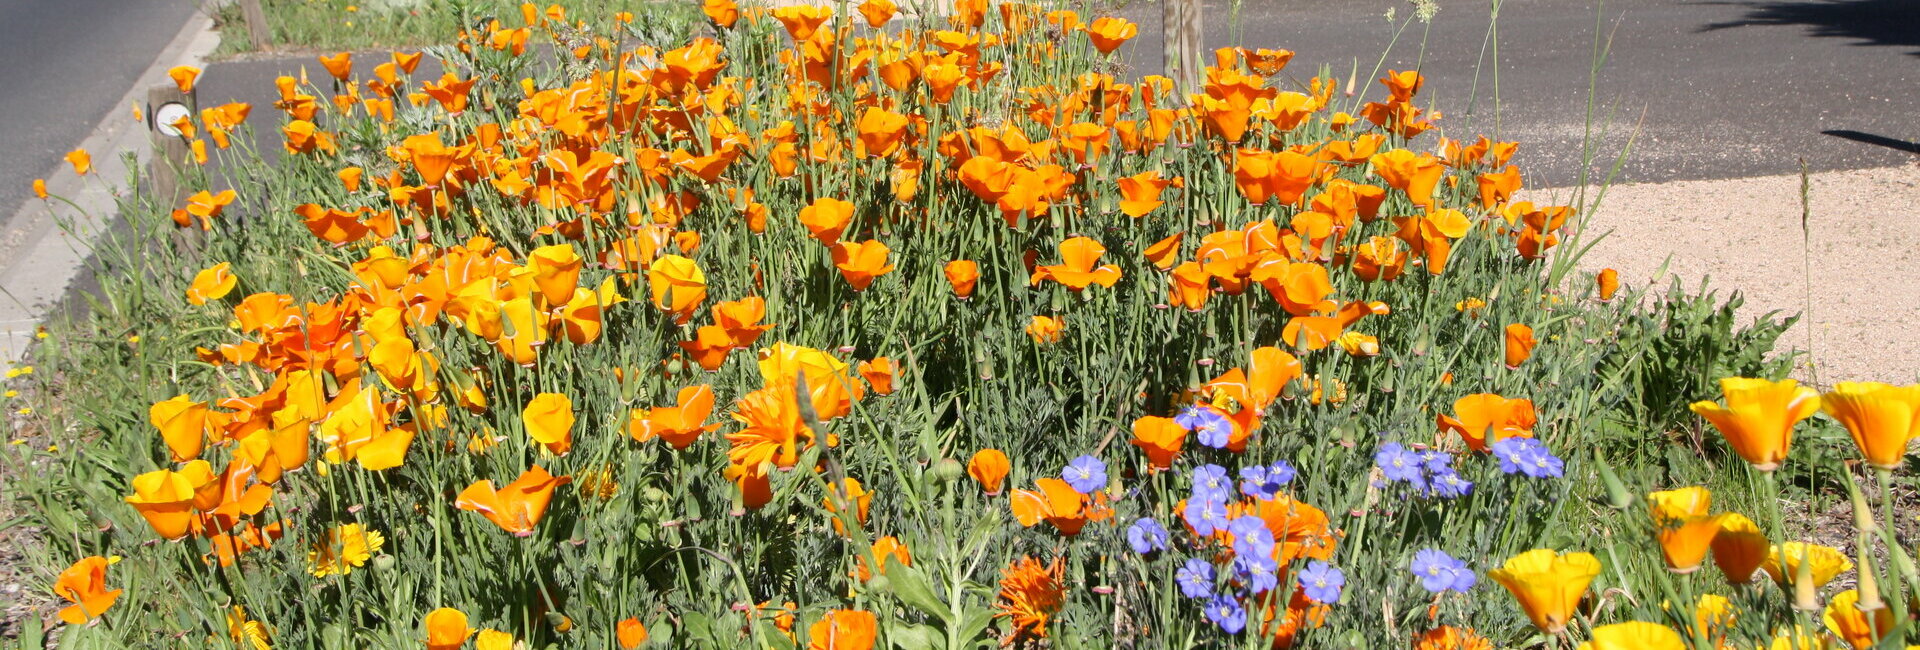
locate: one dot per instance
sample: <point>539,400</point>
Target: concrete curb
<point>46,244</point>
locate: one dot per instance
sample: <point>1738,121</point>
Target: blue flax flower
<point>1147,536</point>
<point>1260,573</point>
<point>1206,423</point>
<point>1251,536</point>
<point>1086,474</point>
<point>1225,612</point>
<point>1439,572</point>
<point>1526,456</point>
<point>1195,579</point>
<point>1205,516</point>
<point>1321,582</point>
<point>1398,463</point>
<point>1210,483</point>
<point>1265,483</point>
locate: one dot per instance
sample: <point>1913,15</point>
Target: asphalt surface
<point>1727,88</point>
<point>69,62</point>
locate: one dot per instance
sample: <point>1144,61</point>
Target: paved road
<point>1729,88</point>
<point>68,63</point>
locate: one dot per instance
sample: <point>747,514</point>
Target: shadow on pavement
<point>1874,22</point>
<point>1876,140</point>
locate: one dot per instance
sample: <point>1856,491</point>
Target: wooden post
<point>172,155</point>
<point>257,27</point>
<point>1180,27</point>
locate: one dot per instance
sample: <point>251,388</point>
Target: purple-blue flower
<point>1321,582</point>
<point>1206,423</point>
<point>1227,613</point>
<point>1205,516</point>
<point>1440,572</point>
<point>1147,536</point>
<point>1251,536</point>
<point>1526,456</point>
<point>1436,461</point>
<point>1086,474</point>
<point>1449,485</point>
<point>1210,483</point>
<point>1195,579</point>
<point>1259,573</point>
<point>1265,482</point>
<point>1398,463</point>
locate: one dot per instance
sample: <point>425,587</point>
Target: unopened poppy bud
<point>1862,513</point>
<point>948,470</point>
<point>1618,497</point>
<point>384,562</point>
<point>879,584</point>
<point>559,621</point>
<point>653,494</point>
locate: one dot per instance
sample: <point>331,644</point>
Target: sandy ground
<point>1745,234</point>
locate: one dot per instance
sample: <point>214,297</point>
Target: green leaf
<point>912,588</point>
<point>918,637</point>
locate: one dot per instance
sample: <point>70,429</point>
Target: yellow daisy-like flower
<point>245,632</point>
<point>345,548</point>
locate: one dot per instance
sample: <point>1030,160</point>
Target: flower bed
<point>809,332</point>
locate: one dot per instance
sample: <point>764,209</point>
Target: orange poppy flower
<point>1485,418</point>
<point>1192,285</point>
<point>989,468</point>
<point>678,286</point>
<point>516,507</point>
<point>1318,332</point>
<point>1882,418</point>
<point>1030,594</point>
<point>1379,259</point>
<point>549,421</point>
<point>1608,282</point>
<point>709,347</point>
<point>1164,253</point>
<point>556,271</point>
<point>1160,438</point>
<point>741,319</point>
<point>826,219</point>
<point>853,494</point>
<point>630,633</point>
<point>883,549</point>
<point>40,188</point>
<point>212,283</point>
<point>446,629</point>
<point>1519,344</point>
<point>84,584</point>
<point>166,499</point>
<point>183,424</point>
<point>722,12</point>
<point>1414,174</point>
<point>1432,235</point>
<point>881,131</point>
<point>1046,329</point>
<point>843,629</point>
<point>962,275</point>
<point>1109,33</point>
<point>339,65</point>
<point>1079,255</point>
<point>802,21</point>
<point>1264,176</point>
<point>183,77</point>
<point>878,12</point>
<point>82,161</point>
<point>680,425</point>
<point>861,262</point>
<point>1140,193</point>
<point>1059,504</point>
<point>879,374</point>
<point>1497,188</point>
<point>1758,417</point>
